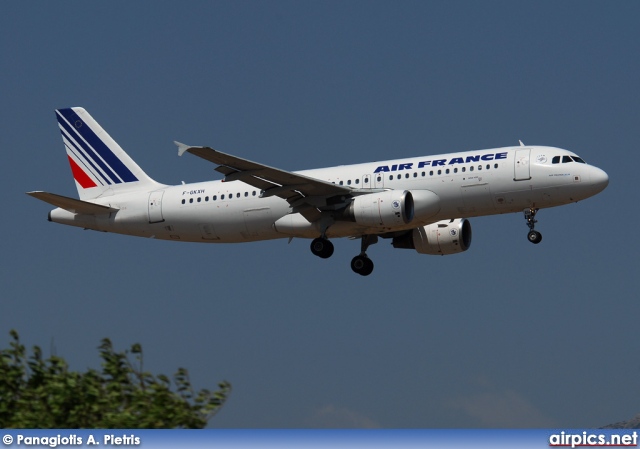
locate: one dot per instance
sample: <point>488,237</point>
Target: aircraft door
<point>366,182</point>
<point>155,206</point>
<point>522,166</point>
<point>378,180</point>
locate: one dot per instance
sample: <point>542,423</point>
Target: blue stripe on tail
<point>87,152</point>
<point>80,128</point>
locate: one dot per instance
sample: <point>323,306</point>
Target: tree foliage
<point>42,393</point>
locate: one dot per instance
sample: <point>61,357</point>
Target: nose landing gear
<point>530,215</point>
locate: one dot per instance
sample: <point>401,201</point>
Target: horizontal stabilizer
<point>71,204</point>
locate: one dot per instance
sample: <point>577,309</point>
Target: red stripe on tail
<point>80,176</point>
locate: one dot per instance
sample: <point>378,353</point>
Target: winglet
<point>181,147</point>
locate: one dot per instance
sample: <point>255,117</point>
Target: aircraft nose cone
<point>599,179</point>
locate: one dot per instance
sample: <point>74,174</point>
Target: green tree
<point>43,393</point>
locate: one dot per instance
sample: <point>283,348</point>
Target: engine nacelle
<point>426,204</point>
<point>382,209</point>
<point>441,238</point>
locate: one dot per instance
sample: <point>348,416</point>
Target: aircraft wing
<point>273,181</point>
<point>71,204</point>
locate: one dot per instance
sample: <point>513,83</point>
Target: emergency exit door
<point>155,206</point>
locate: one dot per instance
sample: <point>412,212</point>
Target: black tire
<point>534,237</point>
<point>322,248</point>
<point>362,265</point>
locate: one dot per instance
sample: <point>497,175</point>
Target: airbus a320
<point>421,203</point>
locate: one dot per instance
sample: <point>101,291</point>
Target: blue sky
<point>505,335</point>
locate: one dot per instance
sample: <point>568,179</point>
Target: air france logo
<point>442,162</point>
<point>396,204</point>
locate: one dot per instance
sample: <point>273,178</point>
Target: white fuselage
<point>468,184</point>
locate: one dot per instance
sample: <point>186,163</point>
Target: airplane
<point>421,203</point>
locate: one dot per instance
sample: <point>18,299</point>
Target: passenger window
<point>390,177</point>
<point>464,169</point>
<point>183,201</point>
<point>238,195</point>
<point>439,172</point>
<point>488,166</point>
<point>455,170</point>
<point>357,181</point>
<point>399,176</point>
<point>379,178</point>
<point>471,168</point>
<point>199,199</point>
<point>406,175</point>
<point>423,174</point>
<point>349,182</point>
<point>341,183</point>
<point>447,171</point>
<point>221,197</point>
<point>246,194</point>
<point>415,175</point>
<point>495,165</point>
<point>253,193</point>
<point>566,159</point>
<point>431,173</point>
<point>555,160</point>
<point>215,197</point>
<point>366,180</point>
<point>206,198</point>
<point>479,167</point>
<point>190,200</point>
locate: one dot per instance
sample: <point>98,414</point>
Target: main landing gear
<point>360,264</point>
<point>322,247</point>
<point>530,215</point>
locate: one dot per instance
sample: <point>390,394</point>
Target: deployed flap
<point>71,204</point>
<point>273,181</point>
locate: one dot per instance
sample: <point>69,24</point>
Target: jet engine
<point>392,208</point>
<point>381,209</point>
<point>441,238</point>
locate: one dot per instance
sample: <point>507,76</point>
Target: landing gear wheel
<point>322,248</point>
<point>530,215</point>
<point>534,237</point>
<point>362,265</point>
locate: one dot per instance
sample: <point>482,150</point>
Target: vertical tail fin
<point>99,165</point>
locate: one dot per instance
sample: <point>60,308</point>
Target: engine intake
<point>441,238</point>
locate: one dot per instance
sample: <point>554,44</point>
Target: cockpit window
<point>566,159</point>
